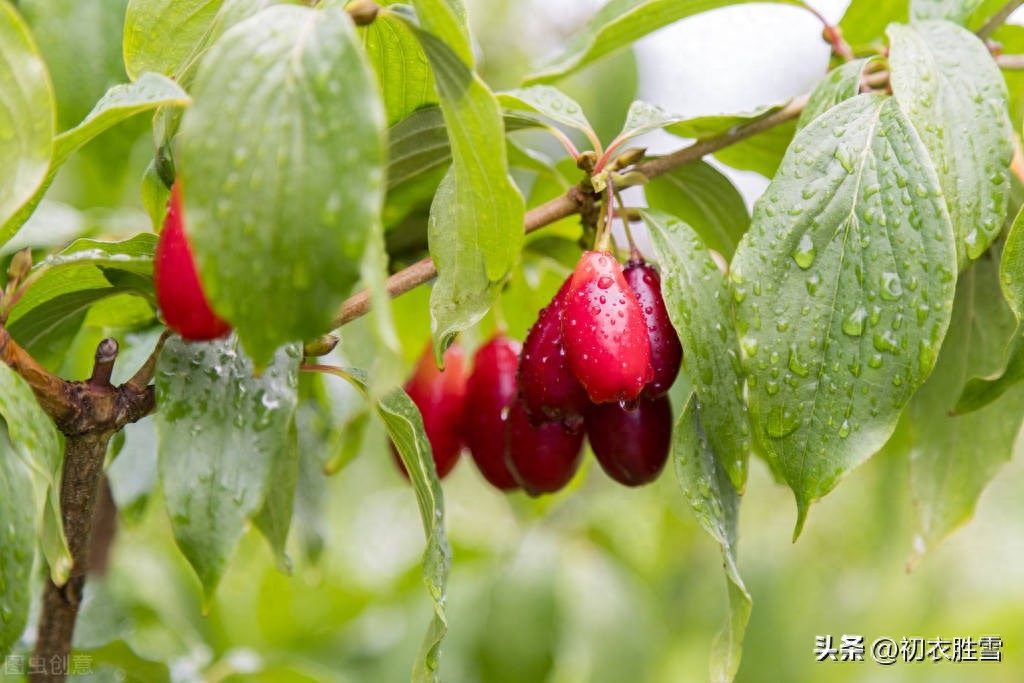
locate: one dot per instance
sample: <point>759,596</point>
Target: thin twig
<point>999,18</point>
<point>1011,62</point>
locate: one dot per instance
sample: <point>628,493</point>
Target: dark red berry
<point>631,445</point>
<point>604,331</point>
<point>490,390</point>
<point>440,397</point>
<point>178,291</point>
<point>548,389</point>
<point>666,351</point>
<point>542,458</point>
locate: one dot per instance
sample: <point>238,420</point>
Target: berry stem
<point>634,252</point>
<point>833,35</point>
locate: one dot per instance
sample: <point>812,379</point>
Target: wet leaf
<point>843,288</point>
<point>17,551</point>
<point>698,302</point>
<point>839,85</point>
<point>957,11</point>
<point>401,67</point>
<point>946,81</point>
<point>162,35</point>
<point>223,432</point>
<point>715,503</point>
<point>549,102</point>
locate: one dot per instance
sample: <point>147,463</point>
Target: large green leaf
<point>715,502</point>
<point>401,67</point>
<point>161,35</point>
<point>698,302</point>
<point>404,424</point>
<point>619,24</point>
<point>953,458</point>
<point>17,551</point>
<point>952,10</point>
<point>945,79</point>
<point>704,198</point>
<point>222,433</point>
<point>119,103</point>
<point>843,288</point>
<point>839,85</point>
<point>306,139</point>
<point>476,221</point>
<point>27,118</point>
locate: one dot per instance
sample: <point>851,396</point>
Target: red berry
<point>490,390</point>
<point>666,351</point>
<point>543,458</point>
<point>548,389</point>
<point>605,332</point>
<point>631,445</point>
<point>178,292</point>
<point>440,397</point>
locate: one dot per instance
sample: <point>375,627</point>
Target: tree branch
<point>999,18</point>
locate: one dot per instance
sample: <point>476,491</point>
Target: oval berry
<point>441,398</point>
<point>178,291</point>
<point>490,390</point>
<point>542,458</point>
<point>666,350</point>
<point>631,445</point>
<point>547,388</point>
<point>604,331</point>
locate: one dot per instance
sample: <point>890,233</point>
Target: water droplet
<point>604,282</point>
<point>853,325</point>
<point>804,252</point>
<point>892,286</point>
<point>781,422</point>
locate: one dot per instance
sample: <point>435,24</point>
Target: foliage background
<point>597,583</point>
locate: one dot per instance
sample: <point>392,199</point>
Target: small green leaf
<point>701,196</point>
<point>161,35</point>
<point>17,551</point>
<point>620,23</point>
<point>957,11</point>
<point>417,144</point>
<point>155,195</point>
<point>404,424</point>
<point>223,431</point>
<point>476,221</point>
<point>307,140</point>
<point>865,21</point>
<point>548,102</point>
<point>945,79</point>
<point>839,85</point>
<point>715,502</point>
<point>401,67</point>
<point>27,118</point>
<point>274,519</point>
<point>698,302</point>
<point>843,288</point>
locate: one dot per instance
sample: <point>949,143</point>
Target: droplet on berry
<point>490,390</point>
<point>542,458</point>
<point>666,350</point>
<point>631,445</point>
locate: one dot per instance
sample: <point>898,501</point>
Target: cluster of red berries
<point>598,362</point>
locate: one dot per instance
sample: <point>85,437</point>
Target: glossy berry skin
<point>666,350</point>
<point>605,332</point>
<point>542,458</point>
<point>441,398</point>
<point>178,291</point>
<point>548,389</point>
<point>490,390</point>
<point>631,445</point>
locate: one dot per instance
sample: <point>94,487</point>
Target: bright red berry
<point>542,458</point>
<point>548,389</point>
<point>178,291</point>
<point>440,397</point>
<point>490,390</point>
<point>666,350</point>
<point>605,332</point>
<point>631,445</point>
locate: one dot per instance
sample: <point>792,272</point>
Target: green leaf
<point>119,103</point>
<point>843,288</point>
<point>27,118</point>
<point>839,85</point>
<point>715,502</point>
<point>701,196</point>
<point>548,102</point>
<point>307,140</point>
<point>18,549</point>
<point>953,458</point>
<point>404,424</point>
<point>222,433</point>
<point>865,21</point>
<point>417,144</point>
<point>697,297</point>
<point>620,23</point>
<point>161,35</point>
<point>35,441</point>
<point>446,21</point>
<point>945,79</point>
<point>274,519</point>
<point>401,67</point>
<point>957,11</point>
<point>476,221</point>
<point>155,195</point>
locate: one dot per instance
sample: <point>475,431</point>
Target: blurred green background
<point>598,583</point>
